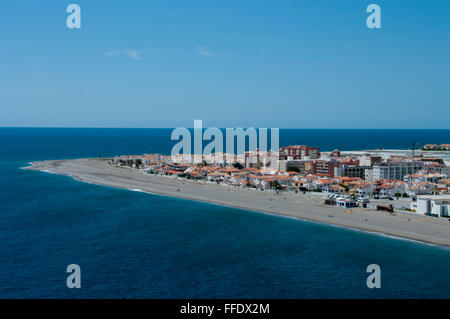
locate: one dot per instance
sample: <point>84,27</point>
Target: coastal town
<point>435,147</point>
<point>347,179</point>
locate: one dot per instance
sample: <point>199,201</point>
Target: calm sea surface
<point>131,244</point>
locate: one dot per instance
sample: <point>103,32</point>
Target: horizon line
<point>170,128</point>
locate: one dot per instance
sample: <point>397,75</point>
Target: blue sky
<point>292,64</point>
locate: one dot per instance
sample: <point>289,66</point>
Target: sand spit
<point>306,207</point>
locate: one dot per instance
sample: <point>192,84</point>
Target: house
<point>422,176</point>
<point>423,188</point>
<point>390,189</point>
<point>365,190</point>
<point>217,177</point>
<point>268,183</point>
<point>321,184</point>
<point>444,185</point>
<point>173,172</point>
<point>283,180</point>
<point>335,189</point>
<point>237,178</point>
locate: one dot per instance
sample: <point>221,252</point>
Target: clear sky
<point>291,64</point>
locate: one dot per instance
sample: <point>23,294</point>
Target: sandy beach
<point>308,207</point>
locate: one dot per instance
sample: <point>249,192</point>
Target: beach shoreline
<point>306,207</point>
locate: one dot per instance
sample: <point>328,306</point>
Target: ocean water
<point>130,244</point>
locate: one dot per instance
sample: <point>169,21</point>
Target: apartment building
<point>395,170</point>
<point>350,171</point>
<point>326,167</point>
<point>298,152</point>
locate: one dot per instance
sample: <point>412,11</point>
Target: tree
<point>238,165</point>
<point>138,162</point>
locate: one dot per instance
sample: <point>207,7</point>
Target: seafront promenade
<point>298,205</point>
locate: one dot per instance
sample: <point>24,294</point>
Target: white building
<point>344,202</point>
<point>396,170</point>
<point>438,205</point>
<point>368,174</point>
<point>365,190</point>
<point>391,189</point>
<point>438,168</point>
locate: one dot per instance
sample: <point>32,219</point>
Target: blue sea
<point>130,244</point>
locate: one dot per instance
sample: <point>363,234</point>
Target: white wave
<point>136,190</point>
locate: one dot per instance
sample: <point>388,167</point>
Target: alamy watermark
<point>214,152</point>
<point>74,279</point>
<point>73,21</point>
<point>374,279</point>
<point>374,19</point>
